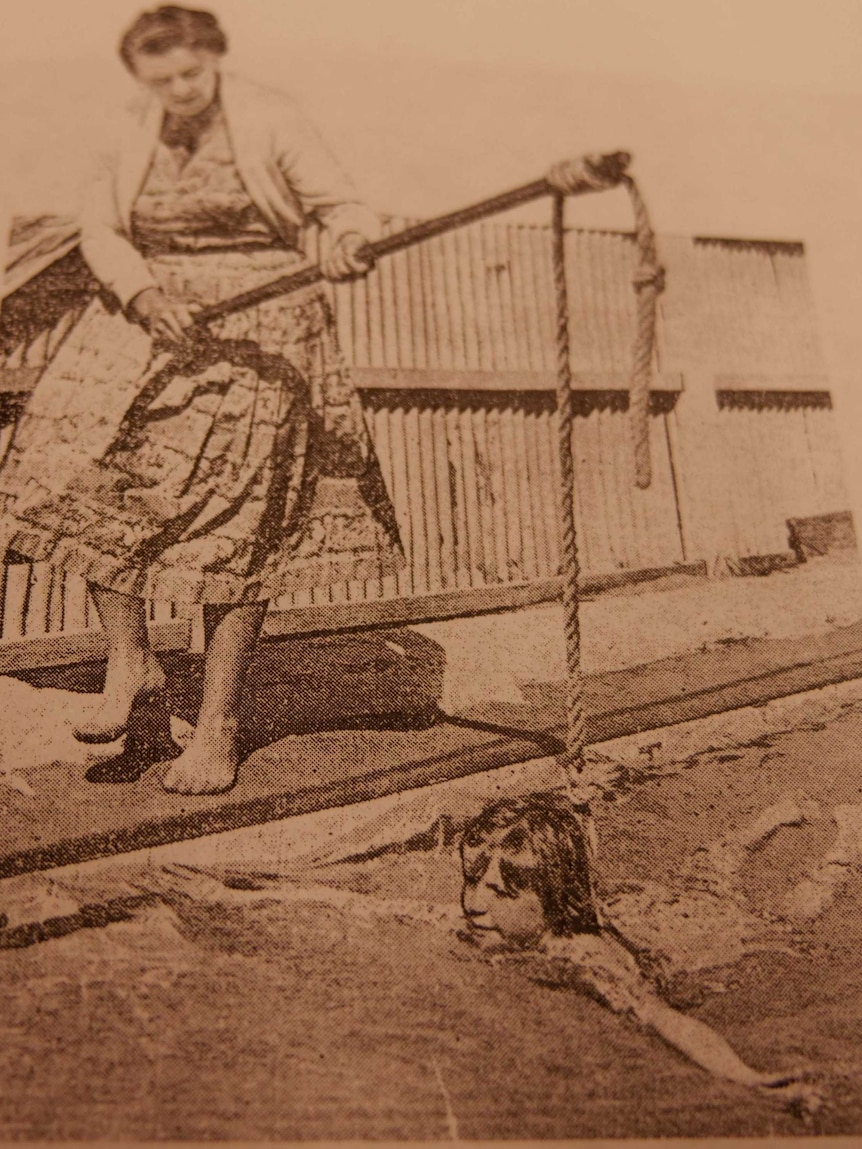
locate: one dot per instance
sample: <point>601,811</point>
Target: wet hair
<point>171,26</point>
<point>548,826</point>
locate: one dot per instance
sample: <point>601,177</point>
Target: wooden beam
<point>308,772</point>
<point>89,646</point>
<point>737,381</point>
<point>414,379</point>
<point>85,646</point>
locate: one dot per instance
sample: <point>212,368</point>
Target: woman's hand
<point>162,318</point>
<point>344,260</point>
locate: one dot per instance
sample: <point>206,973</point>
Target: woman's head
<point>526,870</point>
<point>175,53</point>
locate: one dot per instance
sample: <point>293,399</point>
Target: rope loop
<point>588,173</point>
<point>649,277</point>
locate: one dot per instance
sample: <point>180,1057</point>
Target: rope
<point>566,179</point>
<point>648,284</point>
<point>595,173</point>
<point>571,760</point>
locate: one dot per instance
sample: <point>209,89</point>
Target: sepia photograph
<point>430,602</point>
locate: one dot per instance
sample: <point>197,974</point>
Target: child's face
<point>495,904</point>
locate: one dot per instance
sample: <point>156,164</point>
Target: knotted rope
<point>595,173</point>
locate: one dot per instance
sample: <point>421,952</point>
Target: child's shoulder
<point>606,967</point>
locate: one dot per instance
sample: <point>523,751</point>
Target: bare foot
<point>728,854</point>
<point>105,718</point>
<point>811,896</point>
<point>209,765</point>
<point>828,877</point>
<point>791,809</point>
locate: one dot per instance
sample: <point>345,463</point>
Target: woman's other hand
<point>162,318</point>
<point>344,260</point>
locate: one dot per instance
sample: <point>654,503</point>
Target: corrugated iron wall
<point>473,472</point>
<point>481,299</point>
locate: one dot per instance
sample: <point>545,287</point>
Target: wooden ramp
<point>385,736</point>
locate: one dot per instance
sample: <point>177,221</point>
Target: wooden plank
<point>482,315</point>
<point>521,476</point>
<point>506,562</point>
<point>671,691</point>
<point>39,599</point>
<point>474,501</point>
<point>388,314</point>
<point>525,286</point>
<point>404,309</point>
<point>17,656</point>
<point>376,349</point>
<point>484,494</point>
<point>430,511</point>
<point>452,297</point>
<point>358,590</point>
<point>66,649</point>
<point>16,595</point>
<point>546,438</point>
<point>56,605</point>
<point>518,569</point>
<point>448,562</point>
<point>442,320</point>
<point>462,254</point>
<point>419,545</point>
<point>75,607</point>
<point>455,466</point>
<point>418,309</point>
<point>388,584</point>
<point>360,355</point>
<point>540,243</point>
<point>496,320</point>
<point>400,499</point>
<point>537,508</point>
<point>433,335</point>
<point>513,332</point>
<point>446,379</point>
<point>614,452</point>
<point>589,519</point>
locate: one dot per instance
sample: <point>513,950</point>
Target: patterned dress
<point>235,469</point>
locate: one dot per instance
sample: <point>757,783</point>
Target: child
<point>526,894</point>
<point>526,885</point>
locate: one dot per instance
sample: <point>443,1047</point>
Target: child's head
<point>526,870</point>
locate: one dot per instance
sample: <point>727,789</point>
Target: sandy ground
<point>200,1018</point>
<point>490,657</point>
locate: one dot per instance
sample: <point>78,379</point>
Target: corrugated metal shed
<point>480,300</point>
<point>452,344</point>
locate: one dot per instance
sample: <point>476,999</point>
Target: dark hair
<point>549,827</point>
<point>157,32</point>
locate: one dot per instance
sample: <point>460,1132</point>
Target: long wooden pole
<point>614,163</point>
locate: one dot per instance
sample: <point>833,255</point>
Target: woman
<point>226,466</point>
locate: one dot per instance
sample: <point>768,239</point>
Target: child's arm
<point>701,1044</point>
<point>709,1050</point>
<point>613,974</point>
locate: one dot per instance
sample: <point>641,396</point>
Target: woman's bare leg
<point>133,669</point>
<point>210,763</point>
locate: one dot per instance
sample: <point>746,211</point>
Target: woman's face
<point>185,80</point>
<point>495,905</point>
